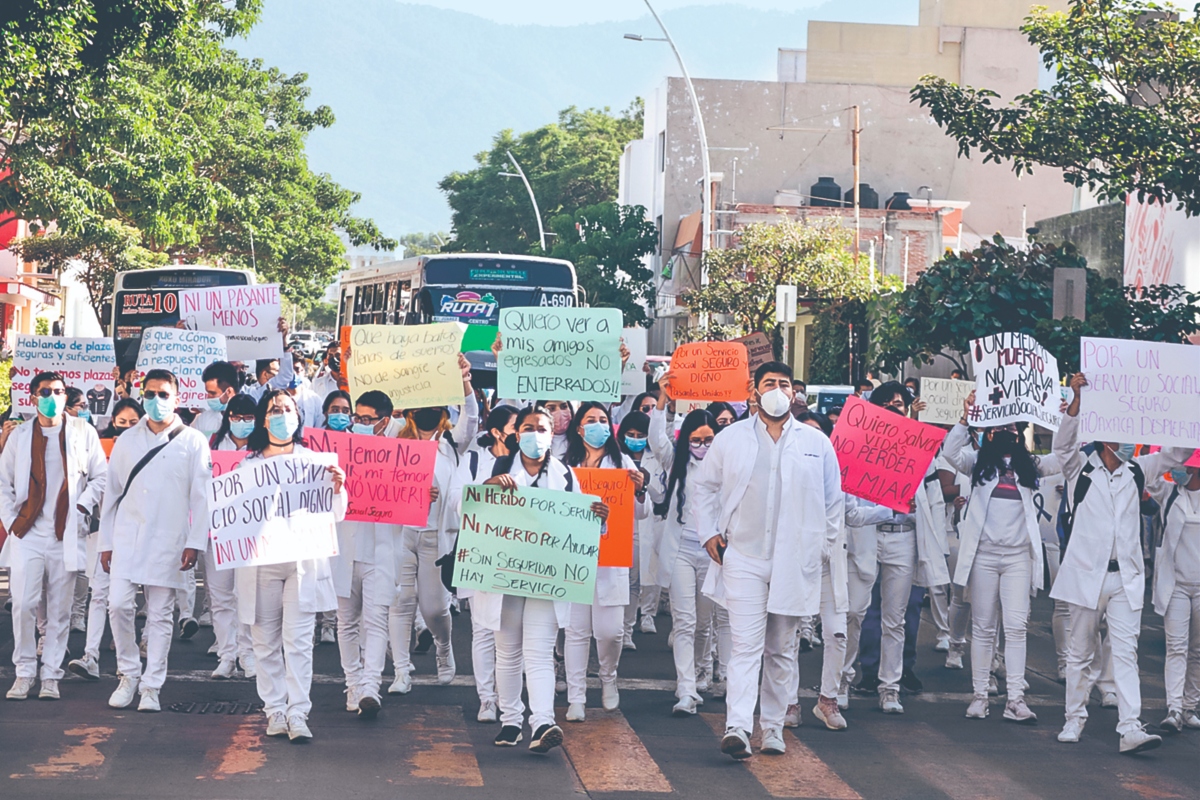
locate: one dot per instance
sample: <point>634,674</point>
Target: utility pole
<point>854,156</point>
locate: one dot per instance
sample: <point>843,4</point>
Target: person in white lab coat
<point>220,386</point>
<point>280,601</point>
<point>590,445</point>
<point>647,595</point>
<point>153,527</point>
<point>52,473</point>
<point>769,494</point>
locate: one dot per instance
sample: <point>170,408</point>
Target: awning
<point>16,291</point>
<point>688,236</point>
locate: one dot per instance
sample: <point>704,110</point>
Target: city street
<point>428,745</point>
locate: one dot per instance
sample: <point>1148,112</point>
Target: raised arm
<point>1065,447</point>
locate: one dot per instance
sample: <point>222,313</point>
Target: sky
<point>575,12</point>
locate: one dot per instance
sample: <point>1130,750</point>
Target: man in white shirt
<point>220,384</point>
<point>52,471</point>
<point>153,525</point>
<point>769,496</point>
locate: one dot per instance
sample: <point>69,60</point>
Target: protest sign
<point>273,510</point>
<point>633,378</point>
<point>883,455</point>
<point>759,350</point>
<point>560,354</point>
<point>477,337</point>
<point>415,365</point>
<point>529,543</point>
<point>107,445</point>
<point>83,363</point>
<point>943,400</point>
<point>387,480</point>
<point>709,371</point>
<point>1140,392</point>
<point>185,353</point>
<point>226,461</point>
<point>248,316</point>
<point>1016,380</point>
<point>615,487</point>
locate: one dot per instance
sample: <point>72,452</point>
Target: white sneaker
<point>277,724</point>
<point>328,636</point>
<point>368,704</point>
<point>993,687</point>
<point>224,670</point>
<point>298,729</point>
<point>445,666</point>
<point>249,665</point>
<point>1109,700</point>
<point>49,690</point>
<point>402,684</point>
<point>827,711</point>
<point>772,742</point>
<point>704,681</point>
<point>1017,711</point>
<point>488,712</point>
<point>86,667</point>
<point>736,744</point>
<point>20,689</point>
<point>719,688</point>
<point>648,625</point>
<point>978,708</point>
<point>204,620</point>
<point>576,713</point>
<point>560,677</point>
<point>149,702</point>
<point>671,640</point>
<point>1071,731</point>
<point>954,656</point>
<point>627,642</point>
<point>610,698</point>
<point>352,698</point>
<point>1137,741</point>
<point>684,708</point>
<point>943,644</point>
<point>791,717</point>
<point>123,696</point>
<point>1191,719</point>
<point>1173,722</point>
<point>78,624</point>
<point>889,702</point>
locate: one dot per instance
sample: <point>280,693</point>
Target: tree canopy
<point>1121,116</point>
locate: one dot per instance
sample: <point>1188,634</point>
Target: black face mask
<point>427,419</point>
<point>1005,440</point>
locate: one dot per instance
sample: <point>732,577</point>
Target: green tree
<point>998,288</point>
<point>1121,116</point>
<point>571,164</point>
<point>607,243</point>
<point>423,244</point>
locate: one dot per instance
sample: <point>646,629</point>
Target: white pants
<point>649,600</point>
<point>420,583</point>
<point>283,641</point>
<point>1124,627</point>
<point>858,590</point>
<point>1000,583</point>
<point>958,616</point>
<point>691,616</point>
<point>34,567</point>
<point>160,605</point>
<point>1060,621</point>
<point>833,629</point>
<point>635,589</point>
<point>362,632</point>
<point>897,557</point>
<point>79,601</point>
<point>483,661</point>
<point>1182,626</point>
<point>233,637</point>
<point>939,609</point>
<point>97,615</point>
<point>185,598</point>
<point>525,641</point>
<point>607,624</point>
<point>761,640</point>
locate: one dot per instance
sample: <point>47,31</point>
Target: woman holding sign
<point>590,445</point>
<point>633,437</point>
<point>280,601</point>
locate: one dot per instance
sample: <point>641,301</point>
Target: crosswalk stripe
<point>798,773</point>
<point>83,759</point>
<point>243,754</point>
<point>435,746</point>
<point>608,756</point>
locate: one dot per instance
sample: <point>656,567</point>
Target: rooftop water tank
<point>867,197</point>
<point>825,192</point>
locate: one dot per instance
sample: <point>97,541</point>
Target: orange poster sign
<point>614,487</point>
<point>710,371</point>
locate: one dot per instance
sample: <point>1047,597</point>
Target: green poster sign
<point>478,337</point>
<point>560,354</point>
<point>529,543</point>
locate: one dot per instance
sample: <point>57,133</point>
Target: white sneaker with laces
<point>1017,710</point>
<point>328,636</point>
<point>277,724</point>
<point>648,625</point>
<point>402,684</point>
<point>488,712</point>
<point>149,702</point>
<point>704,681</point>
<point>1071,731</point>
<point>1173,722</point>
<point>352,698</point>
<point>889,702</point>
<point>978,708</point>
<point>20,689</point>
<point>684,708</point>
<point>736,744</point>
<point>943,644</point>
<point>1191,719</point>
<point>368,704</point>
<point>772,742</point>
<point>576,712</point>
<point>49,690</point>
<point>224,670</point>
<point>1137,741</point>
<point>78,624</point>
<point>298,730</point>
<point>86,667</point>
<point>445,666</point>
<point>125,692</point>
<point>791,717</point>
<point>610,698</point>
<point>954,656</point>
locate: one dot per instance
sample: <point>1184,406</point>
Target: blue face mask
<point>1180,476</point>
<point>338,422</point>
<point>1123,452</point>
<point>283,426</point>
<point>241,429</point>
<point>363,429</point>
<point>84,415</point>
<point>52,407</point>
<point>596,434</point>
<point>215,404</point>
<point>635,445</point>
<point>158,410</point>
<point>534,444</point>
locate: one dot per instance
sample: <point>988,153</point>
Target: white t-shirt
<point>1005,523</point>
<point>43,526</point>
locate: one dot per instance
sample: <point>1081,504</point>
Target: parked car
<point>305,342</point>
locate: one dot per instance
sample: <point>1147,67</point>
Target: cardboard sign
<point>709,371</point>
<point>107,445</point>
<point>478,337</point>
<point>224,461</point>
<point>1016,380</point>
<point>272,511</point>
<point>387,480</point>
<point>415,365</point>
<point>185,353</point>
<point>560,354</point>
<point>1140,392</point>
<point>615,487</point>
<point>883,455</point>
<point>248,316</point>
<point>943,400</point>
<point>759,350</point>
<point>529,543</point>
<point>633,378</point>
<point>83,363</point>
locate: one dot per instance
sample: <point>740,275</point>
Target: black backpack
<point>1082,485</point>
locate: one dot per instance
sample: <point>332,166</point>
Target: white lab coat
<point>810,513</point>
<point>670,530</point>
<point>1172,530</point>
<point>166,509</point>
<point>85,472</point>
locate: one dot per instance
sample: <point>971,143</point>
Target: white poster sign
<point>1162,245</point>
<point>273,510</point>
<point>186,353</point>
<point>1016,380</point>
<point>1140,392</point>
<point>84,363</point>
<point>943,400</point>
<point>248,316</point>
<point>633,379</point>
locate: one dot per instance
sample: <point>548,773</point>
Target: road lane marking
<point>80,760</point>
<point>608,756</point>
<point>435,746</point>
<point>244,754</point>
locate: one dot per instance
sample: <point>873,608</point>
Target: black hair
<point>633,421</point>
<point>44,377</point>
<point>377,400</point>
<point>224,373</point>
<point>864,384</point>
<point>577,449</point>
<point>720,407</point>
<point>74,396</point>
<point>111,431</point>
<point>777,367</point>
<point>186,414</point>
<point>263,365</point>
<point>883,394</point>
<point>513,440</point>
<point>677,482</point>
<point>238,404</point>
<point>916,385</point>
<point>991,459</point>
<point>334,395</point>
<point>497,418</point>
<point>161,375</point>
<point>637,401</point>
<point>259,437</point>
<point>822,421</point>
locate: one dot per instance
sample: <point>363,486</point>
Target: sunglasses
<point>159,395</point>
<point>51,392</point>
<point>646,409</point>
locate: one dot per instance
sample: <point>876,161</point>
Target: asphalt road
<point>428,745</point>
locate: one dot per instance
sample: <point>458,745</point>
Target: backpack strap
<point>1082,484</point>
<point>474,461</point>
<point>146,459</point>
<point>503,465</point>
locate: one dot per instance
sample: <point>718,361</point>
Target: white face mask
<point>775,403</point>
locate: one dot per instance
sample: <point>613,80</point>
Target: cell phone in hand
<point>721,548</point>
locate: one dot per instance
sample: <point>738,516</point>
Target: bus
<point>149,298</point>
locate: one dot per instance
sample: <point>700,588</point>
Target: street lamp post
<point>520,173</point>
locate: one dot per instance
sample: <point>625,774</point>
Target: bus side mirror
<point>106,320</point>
